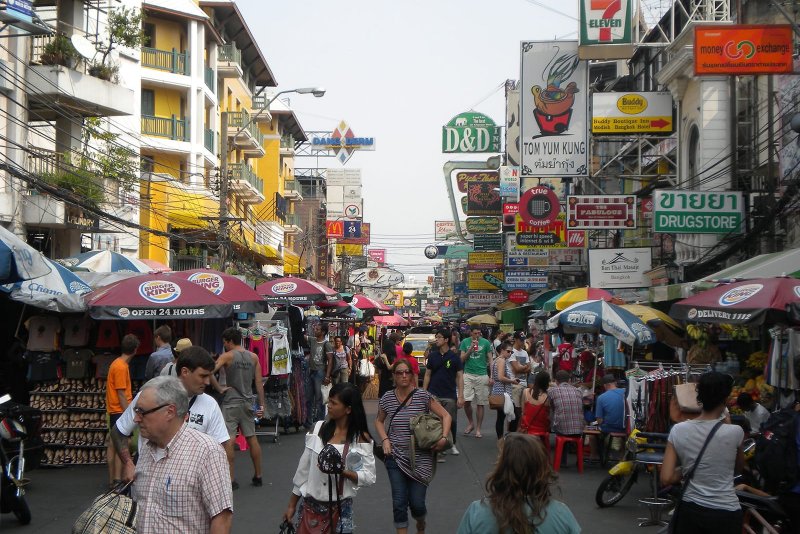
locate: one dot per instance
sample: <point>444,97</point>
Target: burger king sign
<point>159,291</point>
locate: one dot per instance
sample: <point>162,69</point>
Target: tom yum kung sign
<point>697,212</point>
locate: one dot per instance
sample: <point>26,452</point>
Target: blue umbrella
<point>18,260</point>
<point>105,261</point>
<point>599,316</point>
<point>60,290</point>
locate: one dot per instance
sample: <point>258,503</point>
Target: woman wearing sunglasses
<point>397,408</point>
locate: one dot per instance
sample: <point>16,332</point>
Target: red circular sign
<point>539,206</point>
<point>518,296</point>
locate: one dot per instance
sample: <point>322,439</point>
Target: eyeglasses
<point>141,413</point>
<point>406,372</point>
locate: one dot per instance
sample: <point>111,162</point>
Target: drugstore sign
<point>698,212</point>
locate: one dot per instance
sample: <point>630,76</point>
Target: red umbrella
<point>156,296</point>
<point>749,302</point>
<point>369,305</point>
<point>231,289</point>
<point>293,290</point>
<point>389,320</point>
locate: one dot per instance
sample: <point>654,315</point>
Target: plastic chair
<point>545,437</point>
<point>560,442</point>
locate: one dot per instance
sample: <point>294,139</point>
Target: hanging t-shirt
<point>102,363</point>
<point>260,347</point>
<point>76,330</point>
<point>566,357</point>
<point>138,366</point>
<point>281,357</point>
<point>43,366</point>
<point>43,333</point>
<point>77,362</point>
<point>144,332</point>
<point>107,335</point>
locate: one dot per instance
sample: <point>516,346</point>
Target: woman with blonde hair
<point>519,495</point>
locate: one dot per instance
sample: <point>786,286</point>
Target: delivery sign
<point>743,49</point>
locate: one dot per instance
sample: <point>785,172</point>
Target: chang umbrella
<point>156,296</point>
<point>59,290</point>
<point>105,261</point>
<point>18,260</point>
<point>369,306</point>
<point>569,297</point>
<point>599,316</point>
<point>666,328</point>
<point>231,289</point>
<point>293,290</point>
<point>750,302</point>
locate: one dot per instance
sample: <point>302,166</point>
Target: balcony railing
<point>229,53</point>
<point>170,61</point>
<point>237,119</point>
<point>243,172</point>
<point>208,140</point>
<point>210,79</point>
<point>292,219</point>
<point>259,102</point>
<point>171,128</point>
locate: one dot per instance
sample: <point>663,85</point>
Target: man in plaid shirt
<point>566,402</point>
<point>182,479</point>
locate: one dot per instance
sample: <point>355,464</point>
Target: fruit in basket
<point>757,360</point>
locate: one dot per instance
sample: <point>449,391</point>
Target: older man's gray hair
<point>169,390</point>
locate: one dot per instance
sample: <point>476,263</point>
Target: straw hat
<point>183,343</point>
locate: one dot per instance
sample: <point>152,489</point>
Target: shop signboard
<point>697,212</point>
<point>743,49</point>
<point>518,296</point>
<point>446,230</point>
<point>483,198</point>
<point>509,211</point>
<point>624,113</point>
<point>364,239</point>
<point>524,257</point>
<point>377,255</point>
<point>509,183</point>
<point>485,260</point>
<point>512,124</point>
<point>539,206</point>
<point>375,277</point>
<point>485,280</point>
<point>605,22</point>
<point>334,229</point>
<point>554,235</point>
<point>525,279</point>
<point>483,299</point>
<point>553,110</point>
<point>460,289</point>
<point>342,142</point>
<point>601,212</point>
<point>619,267</point>
<point>465,177</point>
<point>483,225</point>
<point>487,242</point>
<point>470,132</point>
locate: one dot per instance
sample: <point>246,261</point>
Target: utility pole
<point>223,193</point>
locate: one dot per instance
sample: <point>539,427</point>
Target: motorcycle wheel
<point>20,508</point>
<point>613,489</point>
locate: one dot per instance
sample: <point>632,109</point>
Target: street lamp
<point>224,152</point>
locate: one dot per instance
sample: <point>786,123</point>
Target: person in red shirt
<point>408,348</point>
<point>118,395</point>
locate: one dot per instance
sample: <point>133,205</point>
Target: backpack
<point>776,451</point>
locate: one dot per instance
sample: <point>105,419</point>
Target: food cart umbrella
<point>389,320</point>
<point>105,261</point>
<point>293,290</point>
<point>18,260</point>
<point>156,296</point>
<point>369,305</point>
<point>601,317</point>
<point>231,289</point>
<point>483,318</point>
<point>666,328</point>
<point>748,302</point>
<point>60,290</point>
<point>569,297</point>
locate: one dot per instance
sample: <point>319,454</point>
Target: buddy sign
<point>605,22</point>
<point>470,132</point>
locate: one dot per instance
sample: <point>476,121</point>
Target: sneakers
<point>257,482</point>
<point>454,451</point>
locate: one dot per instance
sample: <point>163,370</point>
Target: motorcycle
<point>12,478</point>
<point>625,473</point>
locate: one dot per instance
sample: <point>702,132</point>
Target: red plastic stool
<point>560,442</point>
<point>241,442</point>
<point>545,437</point>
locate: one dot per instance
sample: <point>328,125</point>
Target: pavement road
<point>57,496</point>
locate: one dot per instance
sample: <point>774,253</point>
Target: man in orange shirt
<point>118,396</point>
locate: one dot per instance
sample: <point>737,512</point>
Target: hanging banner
<point>553,110</point>
<point>601,212</point>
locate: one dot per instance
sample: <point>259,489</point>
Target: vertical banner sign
<point>509,183</point>
<point>605,22</point>
<point>553,110</point>
<point>512,125</point>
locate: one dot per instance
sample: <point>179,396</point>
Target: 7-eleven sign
<point>605,22</point>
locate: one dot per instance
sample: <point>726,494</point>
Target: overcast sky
<point>399,71</point>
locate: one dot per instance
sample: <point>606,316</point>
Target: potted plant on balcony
<point>59,51</point>
<point>124,29</point>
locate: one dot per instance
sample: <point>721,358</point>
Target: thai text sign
<point>605,22</point>
<point>614,113</point>
<point>553,110</point>
<point>525,279</point>
<point>619,267</point>
<point>601,211</point>
<point>483,225</point>
<point>485,260</point>
<point>697,212</point>
<point>743,49</point>
<point>471,132</point>
<point>485,280</point>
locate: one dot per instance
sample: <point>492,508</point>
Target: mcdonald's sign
<point>334,229</point>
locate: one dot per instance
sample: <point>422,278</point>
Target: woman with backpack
<point>336,461</point>
<point>705,452</point>
<point>409,483</point>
